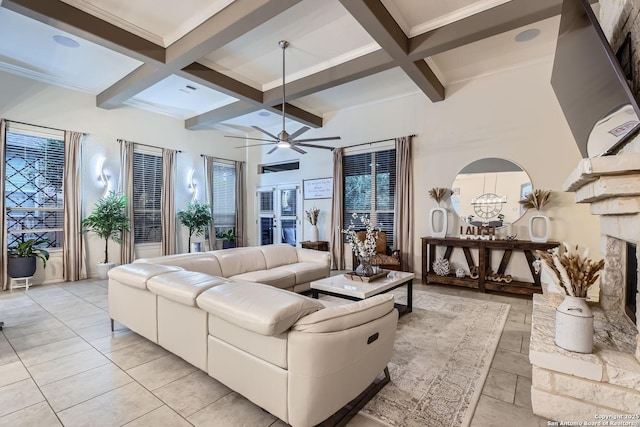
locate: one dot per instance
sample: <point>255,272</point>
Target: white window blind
<point>369,189</point>
<point>147,197</point>
<point>224,197</point>
<point>34,162</point>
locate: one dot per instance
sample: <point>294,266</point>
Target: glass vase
<point>364,268</point>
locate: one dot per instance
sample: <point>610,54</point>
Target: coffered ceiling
<point>217,62</point>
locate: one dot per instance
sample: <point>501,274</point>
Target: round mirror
<point>487,192</point>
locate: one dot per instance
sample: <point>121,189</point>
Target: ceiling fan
<point>283,139</point>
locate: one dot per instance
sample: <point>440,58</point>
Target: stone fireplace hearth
<point>577,387</point>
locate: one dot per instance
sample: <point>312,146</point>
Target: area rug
<point>442,355</point>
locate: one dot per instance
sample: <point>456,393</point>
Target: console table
<point>485,249</point>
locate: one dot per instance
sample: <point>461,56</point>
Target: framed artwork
<point>320,188</point>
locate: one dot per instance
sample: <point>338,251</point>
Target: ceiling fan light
<point>284,144</point>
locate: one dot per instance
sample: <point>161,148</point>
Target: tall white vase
<point>539,238</point>
<point>574,325</point>
<point>314,233</point>
<point>442,232</point>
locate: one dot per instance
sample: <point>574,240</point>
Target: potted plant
<point>108,220</point>
<point>229,237</point>
<point>22,257</point>
<point>196,217</point>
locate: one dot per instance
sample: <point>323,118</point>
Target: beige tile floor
<point>60,364</point>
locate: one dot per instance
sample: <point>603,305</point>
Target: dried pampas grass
<point>575,272</point>
<point>439,194</point>
<point>536,199</point>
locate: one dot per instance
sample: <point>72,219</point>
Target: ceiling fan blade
<point>324,147</point>
<point>255,145</point>
<point>298,132</point>
<point>299,150</point>
<point>252,139</point>
<point>265,132</point>
<point>329,138</point>
<point>272,150</point>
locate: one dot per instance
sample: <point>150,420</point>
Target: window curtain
<point>168,216</point>
<point>208,189</point>
<point>337,204</point>
<point>240,194</point>
<point>126,188</point>
<point>403,224</point>
<point>73,249</point>
<point>4,281</point>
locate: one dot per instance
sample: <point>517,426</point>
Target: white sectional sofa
<point>286,352</point>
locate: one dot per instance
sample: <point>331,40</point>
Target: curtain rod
<point>220,158</point>
<point>373,142</point>
<point>43,127</point>
<point>147,145</point>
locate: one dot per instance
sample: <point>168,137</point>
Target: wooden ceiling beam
<point>378,22</point>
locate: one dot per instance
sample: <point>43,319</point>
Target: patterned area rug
<point>442,355</point>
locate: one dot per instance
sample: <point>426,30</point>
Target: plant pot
<point>442,232</point>
<point>314,233</point>
<point>228,244</point>
<point>574,325</point>
<point>103,269</point>
<point>21,266</point>
<point>196,247</point>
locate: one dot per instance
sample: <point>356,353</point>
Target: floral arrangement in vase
<point>575,272</point>
<point>365,249</point>
<point>439,194</point>
<point>536,199</point>
<point>312,215</point>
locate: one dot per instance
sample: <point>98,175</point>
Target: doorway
<point>278,214</point>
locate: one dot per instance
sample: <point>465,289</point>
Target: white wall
<point>41,104</point>
<point>512,114</point>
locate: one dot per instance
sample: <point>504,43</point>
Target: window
<point>34,164</point>
<point>278,167</point>
<point>224,197</point>
<point>369,189</point>
<point>147,197</point>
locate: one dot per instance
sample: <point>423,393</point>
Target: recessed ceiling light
<point>264,113</point>
<point>66,41</point>
<point>527,35</point>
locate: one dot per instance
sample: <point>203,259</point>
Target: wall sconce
<point>192,185</point>
<point>103,175</point>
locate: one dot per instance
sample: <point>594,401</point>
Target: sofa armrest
<point>338,318</point>
<point>311,255</point>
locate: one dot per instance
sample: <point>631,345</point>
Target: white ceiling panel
<point>321,34</point>
<point>27,48</point>
<point>180,98</point>
<point>417,17</point>
<point>159,21</point>
<point>388,84</point>
<point>497,53</point>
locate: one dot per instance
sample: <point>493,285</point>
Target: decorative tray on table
<point>352,275</point>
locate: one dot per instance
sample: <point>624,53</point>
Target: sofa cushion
<point>341,317</point>
<point>279,254</point>
<point>137,275</point>
<point>256,307</point>
<point>282,279</point>
<point>240,260</point>
<point>183,286</point>
<point>305,271</point>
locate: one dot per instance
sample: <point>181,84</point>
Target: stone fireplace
<point>575,387</point>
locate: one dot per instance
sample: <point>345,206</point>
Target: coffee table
<point>342,287</point>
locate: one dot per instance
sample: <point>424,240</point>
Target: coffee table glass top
<point>339,284</point>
